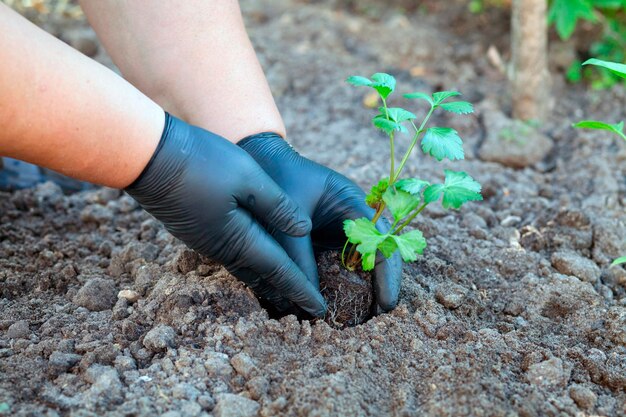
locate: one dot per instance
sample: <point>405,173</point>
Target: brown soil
<point>348,294</point>
<point>513,309</point>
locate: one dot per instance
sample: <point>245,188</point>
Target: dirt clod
<point>18,330</point>
<point>97,294</point>
<point>159,338</point>
<point>230,405</point>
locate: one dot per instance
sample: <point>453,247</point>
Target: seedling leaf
<point>619,261</point>
<point>388,247</point>
<point>363,232</point>
<point>420,96</point>
<point>443,142</point>
<point>359,81</point>
<point>400,203</point>
<point>617,128</point>
<point>368,260</point>
<point>410,245</point>
<point>375,196</point>
<point>458,107</point>
<point>383,83</point>
<point>614,67</point>
<point>441,96</point>
<point>397,114</point>
<point>412,185</point>
<point>387,126</point>
<point>457,189</point>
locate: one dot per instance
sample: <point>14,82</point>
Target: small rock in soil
<point>450,295</point>
<point>129,295</point>
<point>548,372</point>
<point>569,263</point>
<point>349,295</point>
<point>583,396</point>
<point>512,143</point>
<point>160,338</point>
<point>60,362</point>
<point>18,330</point>
<point>218,365</point>
<point>125,363</point>
<point>96,295</point>
<point>258,387</point>
<point>243,364</point>
<point>231,405</point>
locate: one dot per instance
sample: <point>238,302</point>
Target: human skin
<point>194,58</point>
<point>63,111</point>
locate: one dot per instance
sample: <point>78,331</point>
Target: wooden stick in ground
<point>530,77</point>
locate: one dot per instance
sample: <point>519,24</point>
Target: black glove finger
<point>300,250</point>
<point>261,254</point>
<point>269,203</point>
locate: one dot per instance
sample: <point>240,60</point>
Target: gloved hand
<point>209,193</point>
<point>328,198</point>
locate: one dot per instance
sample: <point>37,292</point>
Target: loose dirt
<point>513,310</point>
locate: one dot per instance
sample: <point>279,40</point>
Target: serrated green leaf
<point>614,67</point>
<point>375,197</point>
<point>412,185</point>
<point>359,81</point>
<point>619,261</point>
<point>387,126</point>
<point>410,245</point>
<point>387,247</point>
<point>368,261</point>
<point>385,84</point>
<point>458,107</point>
<point>396,114</point>
<point>457,189</point>
<point>565,14</point>
<point>443,142</point>
<point>400,203</point>
<point>420,96</point>
<point>617,128</point>
<point>441,96</point>
<point>364,234</point>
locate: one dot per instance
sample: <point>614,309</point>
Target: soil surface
<point>513,310</point>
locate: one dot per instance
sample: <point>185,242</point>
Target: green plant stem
<point>407,221</point>
<point>391,143</point>
<point>413,142</point>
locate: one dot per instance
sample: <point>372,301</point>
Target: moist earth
<point>513,309</point>
<point>349,295</point>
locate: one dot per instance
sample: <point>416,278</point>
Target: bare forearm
<point>194,58</point>
<point>61,110</point>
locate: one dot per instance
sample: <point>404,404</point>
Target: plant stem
<point>406,223</point>
<point>414,140</point>
<point>391,145</point>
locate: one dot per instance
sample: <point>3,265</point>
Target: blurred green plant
<point>611,15</point>
<point>566,15</point>
<point>619,70</point>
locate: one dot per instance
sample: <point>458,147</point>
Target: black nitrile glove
<point>328,198</point>
<point>208,193</point>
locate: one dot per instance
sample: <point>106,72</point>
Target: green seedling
<point>617,128</point>
<point>407,197</point>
